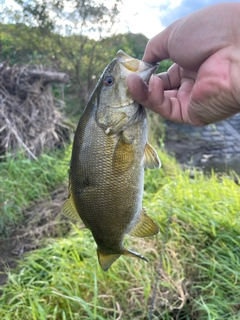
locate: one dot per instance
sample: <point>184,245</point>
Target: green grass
<point>24,180</point>
<point>198,251</point>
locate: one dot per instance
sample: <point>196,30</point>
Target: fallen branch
<point>29,117</point>
<point>48,76</point>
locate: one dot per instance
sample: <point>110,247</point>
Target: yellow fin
<point>106,260</point>
<point>151,159</point>
<point>145,226</point>
<point>69,210</point>
<point>123,157</point>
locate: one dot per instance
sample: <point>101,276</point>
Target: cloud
<point>169,13</point>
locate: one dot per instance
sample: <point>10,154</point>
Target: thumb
<point>138,88</point>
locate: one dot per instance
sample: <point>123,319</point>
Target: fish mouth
<point>143,69</point>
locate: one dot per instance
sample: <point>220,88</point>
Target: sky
<point>152,16</point>
<point>149,17</point>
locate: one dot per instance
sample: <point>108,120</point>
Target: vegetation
<point>194,263</point>
<point>196,254</point>
<point>83,59</point>
<point>51,34</point>
<point>23,181</point>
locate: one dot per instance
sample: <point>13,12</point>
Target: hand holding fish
<point>202,86</point>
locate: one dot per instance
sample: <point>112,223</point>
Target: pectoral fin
<point>123,157</point>
<point>145,226</point>
<point>151,159</point>
<point>69,210</point>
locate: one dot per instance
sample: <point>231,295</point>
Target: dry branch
<point>29,117</point>
<point>48,76</point>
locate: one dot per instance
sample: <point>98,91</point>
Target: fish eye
<point>108,81</point>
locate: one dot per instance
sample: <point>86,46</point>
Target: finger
<point>155,50</point>
<point>174,77</point>
<point>137,87</point>
<point>157,47</point>
<point>164,103</point>
<point>171,78</point>
<point>154,98</point>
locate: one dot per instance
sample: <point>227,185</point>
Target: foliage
<point>19,44</point>
<point>156,128</point>
<point>75,54</point>
<point>62,35</point>
<point>164,65</point>
<point>23,181</point>
<point>197,252</point>
<point>59,33</point>
<point>69,16</point>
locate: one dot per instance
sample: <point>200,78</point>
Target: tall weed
<point>196,259</point>
<point>24,180</point>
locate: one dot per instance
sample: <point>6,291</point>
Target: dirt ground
<point>43,219</point>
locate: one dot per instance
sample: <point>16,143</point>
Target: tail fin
<point>106,260</point>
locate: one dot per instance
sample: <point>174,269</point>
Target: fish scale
<point>110,151</point>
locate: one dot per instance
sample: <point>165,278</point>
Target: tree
<point>59,35</point>
<point>62,34</point>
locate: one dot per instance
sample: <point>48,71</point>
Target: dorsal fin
<point>145,226</point>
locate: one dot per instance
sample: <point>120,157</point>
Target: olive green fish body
<point>107,195</point>
<point>110,151</point>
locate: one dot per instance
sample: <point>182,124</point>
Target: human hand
<point>203,85</point>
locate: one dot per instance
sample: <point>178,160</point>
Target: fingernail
<point>151,81</point>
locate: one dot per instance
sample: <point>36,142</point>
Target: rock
<point>212,147</point>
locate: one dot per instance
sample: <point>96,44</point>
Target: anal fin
<point>145,226</point>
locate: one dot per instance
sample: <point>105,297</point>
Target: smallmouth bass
<point>110,152</point>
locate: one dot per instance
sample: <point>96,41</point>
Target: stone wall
<point>213,146</point>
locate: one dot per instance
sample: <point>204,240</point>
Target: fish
<point>110,152</point>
